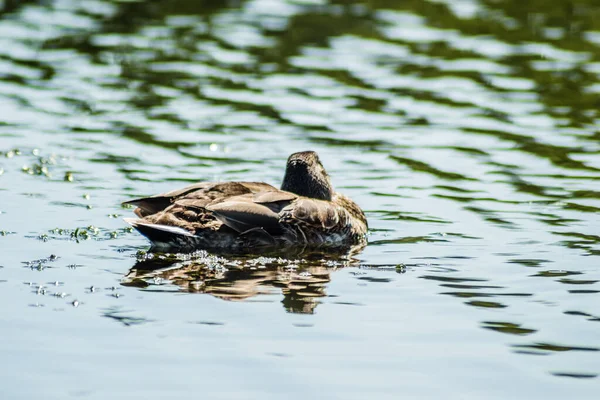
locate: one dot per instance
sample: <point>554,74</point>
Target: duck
<point>254,217</point>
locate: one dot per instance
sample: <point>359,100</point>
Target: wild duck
<point>254,217</point>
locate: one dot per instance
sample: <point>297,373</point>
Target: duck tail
<point>163,236</point>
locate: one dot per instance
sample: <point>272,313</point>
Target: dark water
<point>468,131</point>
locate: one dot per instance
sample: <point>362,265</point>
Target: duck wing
<point>244,212</point>
<point>248,212</point>
<point>314,214</point>
<point>268,198</point>
<point>153,204</point>
<point>243,216</point>
<point>204,192</point>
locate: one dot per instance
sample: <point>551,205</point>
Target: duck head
<point>305,176</point>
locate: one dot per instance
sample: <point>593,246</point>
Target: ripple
<point>479,294</point>
<point>300,282</point>
<point>478,117</point>
<point>486,304</point>
<point>576,375</point>
<point>424,167</point>
<point>590,317</point>
<point>508,328</point>
<point>556,273</point>
<point>118,314</point>
<point>553,348</point>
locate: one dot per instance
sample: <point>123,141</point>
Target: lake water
<point>467,130</point>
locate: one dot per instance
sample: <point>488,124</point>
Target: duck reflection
<point>301,283</point>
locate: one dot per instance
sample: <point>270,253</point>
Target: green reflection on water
<point>435,113</point>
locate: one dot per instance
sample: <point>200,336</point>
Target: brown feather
<point>243,216</point>
<point>273,196</point>
<point>249,216</point>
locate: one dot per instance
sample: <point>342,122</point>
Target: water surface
<point>467,130</point>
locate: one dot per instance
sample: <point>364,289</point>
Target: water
<point>467,130</point>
